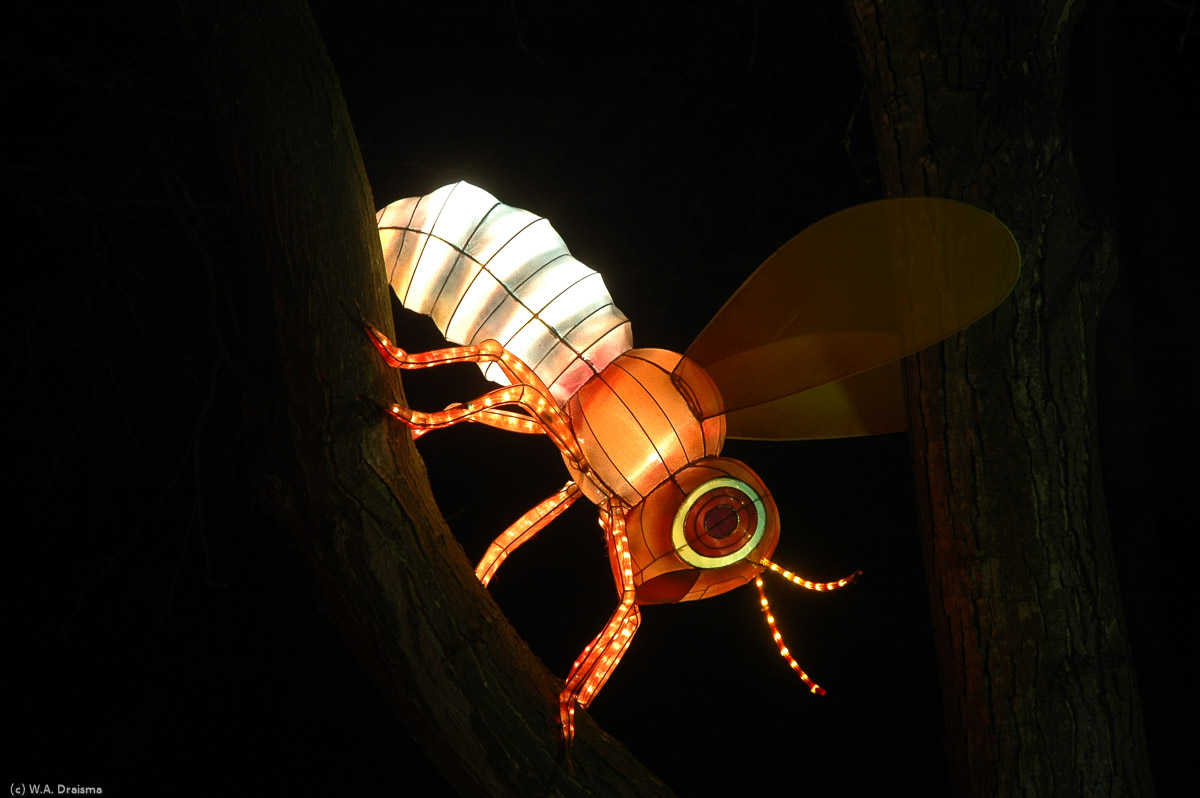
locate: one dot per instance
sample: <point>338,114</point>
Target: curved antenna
<point>807,584</point>
<point>853,292</point>
<point>766,608</point>
<point>778,638</point>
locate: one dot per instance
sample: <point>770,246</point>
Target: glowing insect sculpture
<point>807,348</point>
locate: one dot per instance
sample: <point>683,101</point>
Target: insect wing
<point>483,270</point>
<point>806,347</point>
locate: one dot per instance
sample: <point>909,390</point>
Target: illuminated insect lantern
<point>806,348</point>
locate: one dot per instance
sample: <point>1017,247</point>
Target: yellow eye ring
<point>679,528</point>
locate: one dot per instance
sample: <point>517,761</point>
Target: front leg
<point>523,531</point>
<point>603,654</point>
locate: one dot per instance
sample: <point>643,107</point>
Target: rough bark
<point>345,481</point>
<point>1038,684</point>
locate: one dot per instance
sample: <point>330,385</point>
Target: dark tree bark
<point>1038,684</point>
<point>344,480</point>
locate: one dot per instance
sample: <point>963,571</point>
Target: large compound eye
<point>719,523</point>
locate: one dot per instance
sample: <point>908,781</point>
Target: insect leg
<point>524,529</point>
<point>542,412</point>
<point>527,391</point>
<point>597,662</point>
<point>508,420</point>
<point>485,351</point>
<point>500,419</point>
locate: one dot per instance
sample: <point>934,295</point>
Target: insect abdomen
<point>484,270</point>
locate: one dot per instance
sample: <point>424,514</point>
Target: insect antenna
<point>806,583</point>
<point>766,608</point>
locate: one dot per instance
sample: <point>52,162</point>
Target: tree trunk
<point>345,480</point>
<point>1039,688</point>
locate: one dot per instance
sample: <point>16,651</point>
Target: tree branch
<point>346,481</point>
<point>1037,679</point>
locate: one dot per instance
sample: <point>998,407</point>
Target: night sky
<point>161,634</point>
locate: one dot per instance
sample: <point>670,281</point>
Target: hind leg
<point>527,392</point>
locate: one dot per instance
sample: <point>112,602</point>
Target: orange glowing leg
<point>523,530</point>
<point>527,392</point>
<point>597,662</point>
<point>486,351</point>
<point>500,419</point>
<point>508,421</point>
<point>524,396</point>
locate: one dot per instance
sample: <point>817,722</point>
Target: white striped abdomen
<point>484,270</point>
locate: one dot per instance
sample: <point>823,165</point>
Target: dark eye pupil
<point>721,521</point>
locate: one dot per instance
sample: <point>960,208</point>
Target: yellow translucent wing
<point>806,347</point>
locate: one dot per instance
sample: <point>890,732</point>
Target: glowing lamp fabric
<point>645,416</point>
<point>483,270</point>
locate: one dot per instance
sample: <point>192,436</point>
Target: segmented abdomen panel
<point>485,270</point>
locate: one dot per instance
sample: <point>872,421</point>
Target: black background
<point>157,626</point>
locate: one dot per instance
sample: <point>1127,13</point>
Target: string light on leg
<point>523,530</point>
